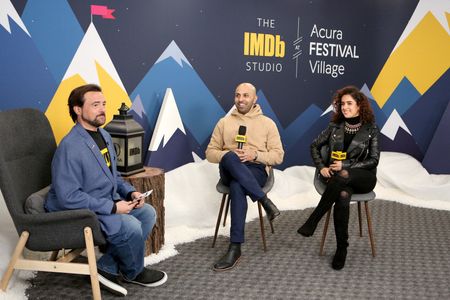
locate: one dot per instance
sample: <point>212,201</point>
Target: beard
<point>95,122</point>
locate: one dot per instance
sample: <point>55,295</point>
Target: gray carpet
<point>413,262</point>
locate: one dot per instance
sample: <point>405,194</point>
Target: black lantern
<point>127,136</point>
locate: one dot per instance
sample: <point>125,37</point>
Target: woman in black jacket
<point>352,154</point>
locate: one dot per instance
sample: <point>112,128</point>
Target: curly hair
<point>365,110</point>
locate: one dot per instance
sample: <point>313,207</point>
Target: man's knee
<point>229,157</point>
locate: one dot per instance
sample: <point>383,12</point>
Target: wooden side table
<point>152,179</point>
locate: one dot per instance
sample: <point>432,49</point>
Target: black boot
<point>339,258</point>
<point>341,215</point>
<point>271,210</point>
<point>307,229</point>
<point>230,259</point>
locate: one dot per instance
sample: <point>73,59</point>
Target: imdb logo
<point>261,44</point>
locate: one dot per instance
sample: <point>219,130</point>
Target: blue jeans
<point>125,252</point>
<point>243,179</point>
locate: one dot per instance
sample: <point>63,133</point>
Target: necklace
<point>352,128</point>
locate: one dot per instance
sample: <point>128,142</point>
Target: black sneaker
<point>110,283</point>
<point>149,278</point>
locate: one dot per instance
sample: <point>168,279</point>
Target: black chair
<point>225,190</point>
<point>26,151</point>
<point>358,198</point>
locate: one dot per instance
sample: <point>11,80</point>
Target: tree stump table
<point>152,179</point>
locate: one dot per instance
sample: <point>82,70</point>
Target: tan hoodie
<point>262,136</point>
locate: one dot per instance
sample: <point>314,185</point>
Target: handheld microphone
<point>338,154</point>
<point>241,139</point>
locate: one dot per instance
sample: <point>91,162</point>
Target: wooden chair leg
<point>96,295</point>
<point>261,223</point>
<point>226,211</point>
<point>54,255</point>
<point>369,227</point>
<point>219,217</point>
<point>359,219</point>
<point>16,254</point>
<point>324,234</point>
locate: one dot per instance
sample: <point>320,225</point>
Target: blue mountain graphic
<point>436,158</point>
<point>140,116</point>
<point>57,35</point>
<point>198,108</point>
<point>404,95</point>
<point>177,152</point>
<point>297,128</point>
<point>299,153</point>
<point>423,117</point>
<point>380,116</point>
<point>25,80</point>
<point>403,142</point>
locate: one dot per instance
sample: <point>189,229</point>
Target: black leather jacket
<point>363,151</point>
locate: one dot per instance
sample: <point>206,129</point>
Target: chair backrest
<point>27,146</point>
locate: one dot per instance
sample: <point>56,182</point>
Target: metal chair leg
<point>219,217</point>
<point>324,234</point>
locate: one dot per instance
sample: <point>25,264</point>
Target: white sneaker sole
<point>111,286</point>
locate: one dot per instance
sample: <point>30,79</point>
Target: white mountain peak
<point>329,109</point>
<point>173,51</point>
<point>393,123</point>
<point>169,121</point>
<point>8,10</point>
<point>439,9</point>
<point>90,52</point>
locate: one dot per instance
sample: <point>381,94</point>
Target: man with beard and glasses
<point>84,176</point>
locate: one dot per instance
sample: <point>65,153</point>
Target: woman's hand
<point>326,172</point>
<point>336,166</point>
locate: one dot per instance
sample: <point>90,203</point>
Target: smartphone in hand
<point>144,195</point>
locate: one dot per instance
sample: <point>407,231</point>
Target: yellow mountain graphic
<point>422,57</point>
<point>58,110</point>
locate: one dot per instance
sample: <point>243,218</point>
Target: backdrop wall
<point>297,53</point>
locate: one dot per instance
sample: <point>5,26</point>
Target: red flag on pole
<point>100,10</point>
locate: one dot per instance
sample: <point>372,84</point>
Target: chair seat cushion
<point>35,202</point>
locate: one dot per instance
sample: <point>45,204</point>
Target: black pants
<point>339,190</point>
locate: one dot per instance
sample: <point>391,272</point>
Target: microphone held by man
<point>241,138</point>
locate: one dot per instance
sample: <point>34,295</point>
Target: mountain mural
<point>423,117</point>
<point>198,108</point>
<point>91,64</point>
<point>33,84</point>
<point>171,145</point>
<point>56,35</point>
<point>436,158</point>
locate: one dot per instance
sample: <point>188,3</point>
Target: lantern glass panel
<point>134,150</point>
<point>119,146</point>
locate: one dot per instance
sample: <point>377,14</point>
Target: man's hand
<point>245,154</point>
<point>139,202</point>
<point>124,207</point>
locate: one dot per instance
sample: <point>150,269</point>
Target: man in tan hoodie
<point>242,166</point>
